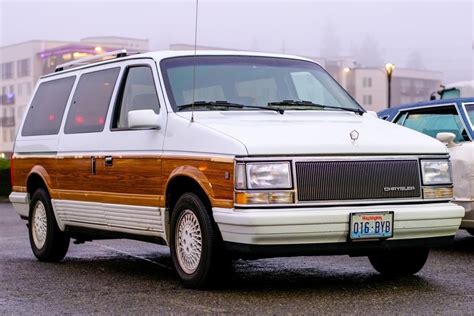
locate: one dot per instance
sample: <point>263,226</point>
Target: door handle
<point>109,161</point>
<point>93,165</point>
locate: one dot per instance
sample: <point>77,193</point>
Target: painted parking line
<point>135,256</point>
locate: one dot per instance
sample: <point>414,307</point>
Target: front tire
<point>196,246</point>
<point>399,263</point>
<point>47,241</point>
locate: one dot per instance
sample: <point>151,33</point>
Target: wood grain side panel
<point>45,167</point>
<point>75,174</point>
<point>132,180</point>
<point>132,175</point>
<point>215,177</point>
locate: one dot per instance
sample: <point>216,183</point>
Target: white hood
<point>316,133</point>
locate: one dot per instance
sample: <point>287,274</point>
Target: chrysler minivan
<point>224,155</point>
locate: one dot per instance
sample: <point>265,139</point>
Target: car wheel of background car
<point>196,246</point>
<point>399,263</point>
<point>47,241</point>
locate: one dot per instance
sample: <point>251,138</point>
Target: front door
<point>132,157</point>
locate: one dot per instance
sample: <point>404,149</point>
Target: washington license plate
<point>371,225</point>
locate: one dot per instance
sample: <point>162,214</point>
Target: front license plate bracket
<point>370,225</point>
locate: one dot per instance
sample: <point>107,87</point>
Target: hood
<point>316,133</point>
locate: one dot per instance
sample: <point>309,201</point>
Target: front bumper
<point>330,225</point>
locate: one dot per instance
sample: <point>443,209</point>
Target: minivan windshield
<point>248,83</point>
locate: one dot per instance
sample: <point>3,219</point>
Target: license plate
<point>371,225</point>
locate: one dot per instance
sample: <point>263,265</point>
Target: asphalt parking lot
<point>122,276</point>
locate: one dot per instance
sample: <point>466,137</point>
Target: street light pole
<point>389,70</point>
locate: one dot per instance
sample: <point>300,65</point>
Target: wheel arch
<point>37,178</point>
<point>179,184</point>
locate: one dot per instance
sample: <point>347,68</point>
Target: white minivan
<point>224,155</point>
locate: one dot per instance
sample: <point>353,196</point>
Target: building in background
<point>22,64</point>
<point>369,86</point>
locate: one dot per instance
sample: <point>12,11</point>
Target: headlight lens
<point>268,175</point>
<point>436,172</point>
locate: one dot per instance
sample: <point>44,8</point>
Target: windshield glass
<point>251,81</point>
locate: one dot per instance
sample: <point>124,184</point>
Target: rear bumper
<point>330,225</point>
<point>20,203</point>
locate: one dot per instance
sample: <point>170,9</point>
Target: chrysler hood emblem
<point>354,135</point>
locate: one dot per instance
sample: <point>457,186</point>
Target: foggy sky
<point>440,32</point>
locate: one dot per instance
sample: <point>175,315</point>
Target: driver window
<point>139,93</point>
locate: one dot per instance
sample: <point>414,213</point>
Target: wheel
<point>47,241</point>
<point>196,246</point>
<point>399,263</point>
<point>470,231</point>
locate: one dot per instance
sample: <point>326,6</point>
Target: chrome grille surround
<point>358,201</point>
<point>342,180</point>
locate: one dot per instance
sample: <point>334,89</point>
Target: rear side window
<point>47,108</point>
<point>91,101</point>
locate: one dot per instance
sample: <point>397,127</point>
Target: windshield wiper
<point>226,104</point>
<point>303,105</point>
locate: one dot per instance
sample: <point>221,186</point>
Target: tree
<point>415,61</point>
<point>368,53</point>
<point>331,46</point>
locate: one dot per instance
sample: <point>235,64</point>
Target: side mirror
<point>143,119</point>
<point>446,138</point>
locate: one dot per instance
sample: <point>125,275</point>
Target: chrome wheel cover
<point>188,241</point>
<point>39,224</point>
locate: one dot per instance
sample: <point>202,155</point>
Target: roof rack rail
<point>96,58</point>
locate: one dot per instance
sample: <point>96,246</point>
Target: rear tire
<point>399,263</point>
<point>196,246</point>
<point>47,241</point>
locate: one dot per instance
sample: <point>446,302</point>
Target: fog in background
<point>434,35</point>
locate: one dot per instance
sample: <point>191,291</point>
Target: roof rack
<point>96,58</point>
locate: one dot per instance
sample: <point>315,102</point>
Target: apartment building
<point>370,88</point>
<point>22,64</point>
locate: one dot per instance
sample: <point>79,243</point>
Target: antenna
<point>194,67</point>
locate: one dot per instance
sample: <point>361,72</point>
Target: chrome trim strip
<point>341,157</point>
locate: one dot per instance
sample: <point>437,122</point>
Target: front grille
<point>357,180</point>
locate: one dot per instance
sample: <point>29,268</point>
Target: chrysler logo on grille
<point>397,189</point>
<point>354,135</point>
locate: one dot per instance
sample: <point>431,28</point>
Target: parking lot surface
<point>122,276</point>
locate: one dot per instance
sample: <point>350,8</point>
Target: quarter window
<point>436,120</point>
<point>138,93</point>
<point>47,108</point>
<point>91,101</point>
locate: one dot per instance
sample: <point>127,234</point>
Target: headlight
<point>268,175</point>
<point>436,172</point>
<point>263,175</point>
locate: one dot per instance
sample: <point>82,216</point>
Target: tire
<point>196,245</point>
<point>399,263</point>
<point>47,241</point>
